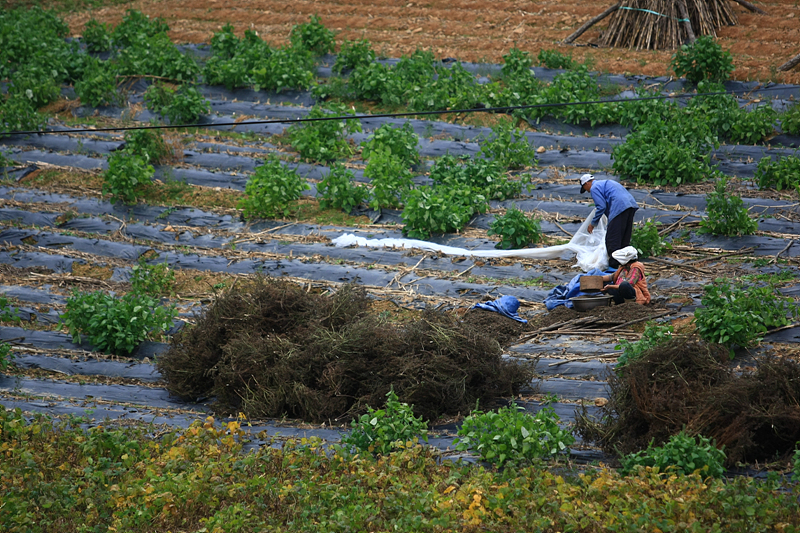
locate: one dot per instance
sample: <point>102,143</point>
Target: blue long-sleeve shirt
<point>610,199</point>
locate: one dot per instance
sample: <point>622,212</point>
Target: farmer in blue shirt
<point>614,201</point>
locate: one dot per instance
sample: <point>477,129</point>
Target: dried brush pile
<point>688,384</point>
<point>270,349</point>
<point>660,24</point>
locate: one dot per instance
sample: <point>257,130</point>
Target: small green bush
<point>354,54</point>
<point>486,176</point>
<point>338,191</point>
<point>516,229</point>
<point>152,280</point>
<point>98,84</point>
<point>574,86</point>
<point>35,83</point>
<point>704,59</point>
<point>156,56</point>
<point>510,435</point>
<point>270,190</point>
<point>646,240</point>
<point>782,174</point>
<point>113,324</point>
<point>790,120</point>
<point>637,112</point>
<point>134,24</point>
<point>682,454</point>
<point>517,63</point>
<point>382,431</point>
<point>312,36</point>
<point>224,43</point>
<point>324,140</point>
<point>556,59</point>
<point>726,214</point>
<point>7,314</point>
<point>389,176</point>
<point>158,96</point>
<point>509,147</point>
<point>654,335</point>
<point>18,114</point>
<point>740,315</point>
<point>284,68</point>
<point>125,174</point>
<point>401,142</point>
<point>149,144</point>
<point>439,209</point>
<point>231,73</point>
<point>186,106</point>
<point>97,36</point>
<point>5,356</point>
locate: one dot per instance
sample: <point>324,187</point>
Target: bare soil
<point>472,31</point>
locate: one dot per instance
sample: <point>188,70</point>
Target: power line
<point>505,109</point>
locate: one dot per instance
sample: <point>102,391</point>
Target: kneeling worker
<point>628,282</point>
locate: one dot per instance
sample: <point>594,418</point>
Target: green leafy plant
<point>98,84</point>
<point>439,209</point>
<point>726,214</point>
<point>574,86</point>
<point>270,190</point>
<point>401,142</point>
<point>516,229</point>
<point>156,56</point>
<point>135,23</point>
<point>149,144</point>
<point>389,176</point>
<point>646,240</point>
<point>383,431</point>
<point>18,114</point>
<point>97,36</point>
<point>509,147</point>
<point>338,191</point>
<point>312,36</point>
<point>186,106</point>
<point>6,313</point>
<point>284,68</point>
<point>782,174</point>
<point>324,140</point>
<point>704,59</point>
<point>510,435</point>
<point>682,454</point>
<point>125,174</point>
<point>516,63</point>
<point>654,335</point>
<point>36,83</point>
<point>224,43</point>
<point>556,59</point>
<point>354,54</point>
<point>5,356</point>
<point>790,120</point>
<point>740,315</point>
<point>152,280</point>
<point>115,324</point>
<point>486,176</point>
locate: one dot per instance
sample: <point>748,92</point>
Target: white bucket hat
<point>586,178</point>
<point>626,255</point>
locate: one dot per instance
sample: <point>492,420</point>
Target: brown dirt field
<point>472,31</point>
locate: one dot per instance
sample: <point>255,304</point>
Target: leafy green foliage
<point>510,435</point>
<point>726,214</point>
<point>401,142</point>
<point>31,37</point>
<point>738,315</point>
<point>270,189</point>
<point>724,116</point>
<point>556,59</point>
<point>124,477</point>
<point>284,68</point>
<point>704,59</point>
<point>784,173</point>
<point>354,54</point>
<point>790,120</point>
<point>125,174</point>
<point>324,140</point>
<point>646,240</point>
<point>453,88</point>
<point>516,229</point>
<point>5,356</point>
<point>312,36</point>
<point>6,312</point>
<point>637,112</point>
<point>224,42</point>
<point>235,59</point>
<point>98,84</point>
<point>36,83</point>
<point>515,63</point>
<point>383,431</point>
<point>670,151</point>
<point>439,209</point>
<point>338,191</point>
<point>574,86</point>
<point>149,144</point>
<point>509,147</point>
<point>186,106</point>
<point>389,176</point>
<point>135,24</point>
<point>97,36</point>
<point>115,324</point>
<point>156,56</point>
<point>654,335</point>
<point>17,114</point>
<point>682,453</point>
<point>152,280</point>
<point>484,176</point>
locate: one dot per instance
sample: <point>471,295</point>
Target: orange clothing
<point>640,286</point>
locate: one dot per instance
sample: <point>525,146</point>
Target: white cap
<point>586,178</point>
<point>626,255</point>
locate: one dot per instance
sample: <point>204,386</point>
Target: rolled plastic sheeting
<point>589,248</point>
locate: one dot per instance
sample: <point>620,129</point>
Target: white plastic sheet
<point>589,248</point>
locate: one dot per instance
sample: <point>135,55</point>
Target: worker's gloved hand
<point>590,228</point>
